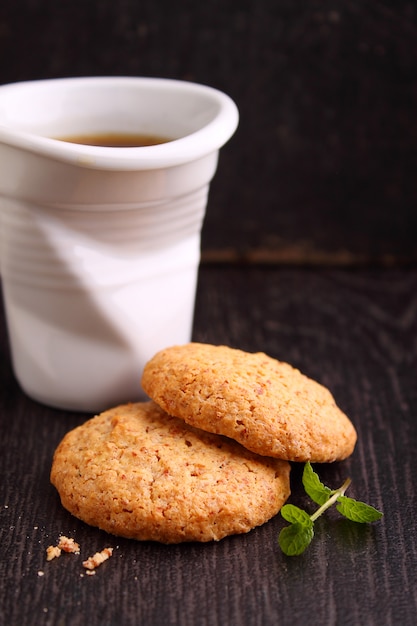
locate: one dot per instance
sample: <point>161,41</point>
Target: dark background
<point>309,254</point>
<point>322,167</point>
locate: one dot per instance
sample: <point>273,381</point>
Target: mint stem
<point>336,494</point>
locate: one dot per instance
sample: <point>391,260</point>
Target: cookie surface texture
<point>136,472</point>
<point>266,405</point>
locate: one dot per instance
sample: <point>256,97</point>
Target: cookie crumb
<point>65,544</point>
<point>52,552</point>
<point>97,559</point>
<point>68,544</point>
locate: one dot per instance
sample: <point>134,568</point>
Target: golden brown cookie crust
<point>136,472</point>
<point>266,405</point>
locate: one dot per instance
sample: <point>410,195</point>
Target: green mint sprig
<point>296,537</point>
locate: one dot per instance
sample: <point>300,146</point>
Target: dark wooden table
<point>309,254</point>
<point>353,330</point>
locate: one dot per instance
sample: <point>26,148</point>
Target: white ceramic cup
<point>99,246</point>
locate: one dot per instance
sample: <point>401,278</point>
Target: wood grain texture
<point>320,173</point>
<point>356,332</point>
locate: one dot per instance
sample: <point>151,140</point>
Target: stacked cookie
<point>208,456</point>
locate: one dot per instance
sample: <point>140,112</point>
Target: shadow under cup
<point>100,246</point>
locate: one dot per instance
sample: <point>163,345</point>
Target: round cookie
<point>136,472</point>
<point>264,404</point>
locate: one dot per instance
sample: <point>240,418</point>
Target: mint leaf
<point>357,511</point>
<point>295,515</point>
<point>313,486</point>
<point>294,539</point>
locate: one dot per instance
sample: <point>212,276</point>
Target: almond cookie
<point>266,405</point>
<point>136,472</point>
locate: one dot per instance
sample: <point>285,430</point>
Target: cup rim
<point>209,138</point>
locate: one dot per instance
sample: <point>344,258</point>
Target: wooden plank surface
<point>354,331</point>
<point>321,174</point>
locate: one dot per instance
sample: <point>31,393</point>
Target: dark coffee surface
<point>115,140</point>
